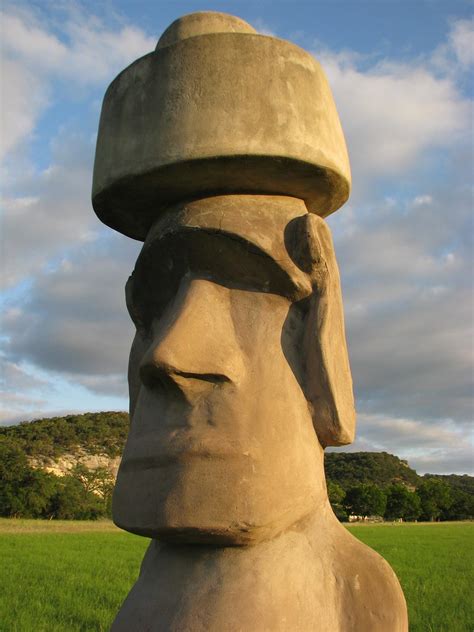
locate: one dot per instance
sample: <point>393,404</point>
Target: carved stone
<point>223,151</point>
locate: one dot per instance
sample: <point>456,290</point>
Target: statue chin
<point>222,536</point>
<point>182,509</point>
<point>225,534</point>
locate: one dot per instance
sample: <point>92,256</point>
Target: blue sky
<point>401,73</point>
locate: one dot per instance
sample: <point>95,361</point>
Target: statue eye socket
<point>147,296</point>
<point>132,307</point>
<point>227,260</point>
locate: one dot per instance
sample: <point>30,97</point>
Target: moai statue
<point>222,150</point>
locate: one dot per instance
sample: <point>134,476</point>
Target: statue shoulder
<point>374,601</point>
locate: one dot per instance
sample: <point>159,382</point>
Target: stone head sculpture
<point>223,152</point>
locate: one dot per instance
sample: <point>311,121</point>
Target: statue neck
<point>285,583</point>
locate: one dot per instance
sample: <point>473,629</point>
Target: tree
<point>336,496</point>
<point>72,502</point>
<point>378,468</point>
<point>99,482</point>
<point>462,506</point>
<point>365,500</point>
<point>24,491</point>
<point>402,503</point>
<point>435,497</point>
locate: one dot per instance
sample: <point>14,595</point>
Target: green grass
<point>72,576</point>
<point>435,566</point>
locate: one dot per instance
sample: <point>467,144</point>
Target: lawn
<point>73,576</point>
<point>435,566</point>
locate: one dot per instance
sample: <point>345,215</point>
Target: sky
<point>401,74</point>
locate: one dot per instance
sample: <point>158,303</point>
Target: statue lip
<point>175,457</point>
<point>180,447</point>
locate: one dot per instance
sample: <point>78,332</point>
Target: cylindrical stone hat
<point>217,109</point>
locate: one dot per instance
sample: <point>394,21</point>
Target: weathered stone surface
<point>202,23</point>
<point>239,374</point>
<point>315,577</point>
<point>63,464</point>
<point>219,112</point>
<point>217,369</point>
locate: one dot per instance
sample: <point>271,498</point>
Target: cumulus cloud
<point>20,392</point>
<point>21,103</point>
<point>90,53</point>
<point>406,272</point>
<point>456,55</point>
<point>429,448</point>
<point>73,320</point>
<point>393,112</point>
<point>461,41</point>
<point>33,56</point>
<point>405,250</point>
<point>15,378</point>
<point>56,213</point>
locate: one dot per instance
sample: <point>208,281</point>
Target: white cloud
<point>73,321</point>
<point>456,55</point>
<point>55,215</point>
<point>404,257</point>
<point>90,52</point>
<point>406,272</point>
<point>30,41</point>
<point>420,200</point>
<point>23,96</point>
<point>435,448</point>
<point>461,40</point>
<point>15,378</point>
<point>20,392</point>
<point>33,57</point>
<point>394,112</point>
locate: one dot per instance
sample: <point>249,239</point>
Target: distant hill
<point>380,468</point>
<point>101,436</point>
<point>461,482</point>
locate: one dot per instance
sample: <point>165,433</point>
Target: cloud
<point>14,378</point>
<point>456,55</point>
<point>404,242</point>
<point>20,392</point>
<point>406,272</point>
<point>21,103</point>
<point>33,58</point>
<point>461,40</point>
<point>115,384</point>
<point>392,112</point>
<point>73,320</point>
<point>56,213</point>
<point>435,448</point>
<point>89,52</point>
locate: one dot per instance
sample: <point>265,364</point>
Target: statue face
<point>221,446</point>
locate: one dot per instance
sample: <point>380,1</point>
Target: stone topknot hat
<point>217,109</point>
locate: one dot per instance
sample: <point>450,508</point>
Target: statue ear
<point>328,378</point>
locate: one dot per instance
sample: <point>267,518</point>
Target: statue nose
<point>196,340</point>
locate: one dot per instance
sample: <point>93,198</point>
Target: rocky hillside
<point>65,468</point>
<point>58,444</point>
<point>379,468</point>
<point>96,440</point>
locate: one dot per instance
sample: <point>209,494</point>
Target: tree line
<point>83,494</point>
<point>27,492</point>
<point>359,483</point>
<point>433,499</point>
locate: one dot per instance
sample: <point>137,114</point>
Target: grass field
<point>73,576</point>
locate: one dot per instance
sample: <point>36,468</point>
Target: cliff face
<point>63,464</point>
<point>96,441</point>
<point>59,444</point>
